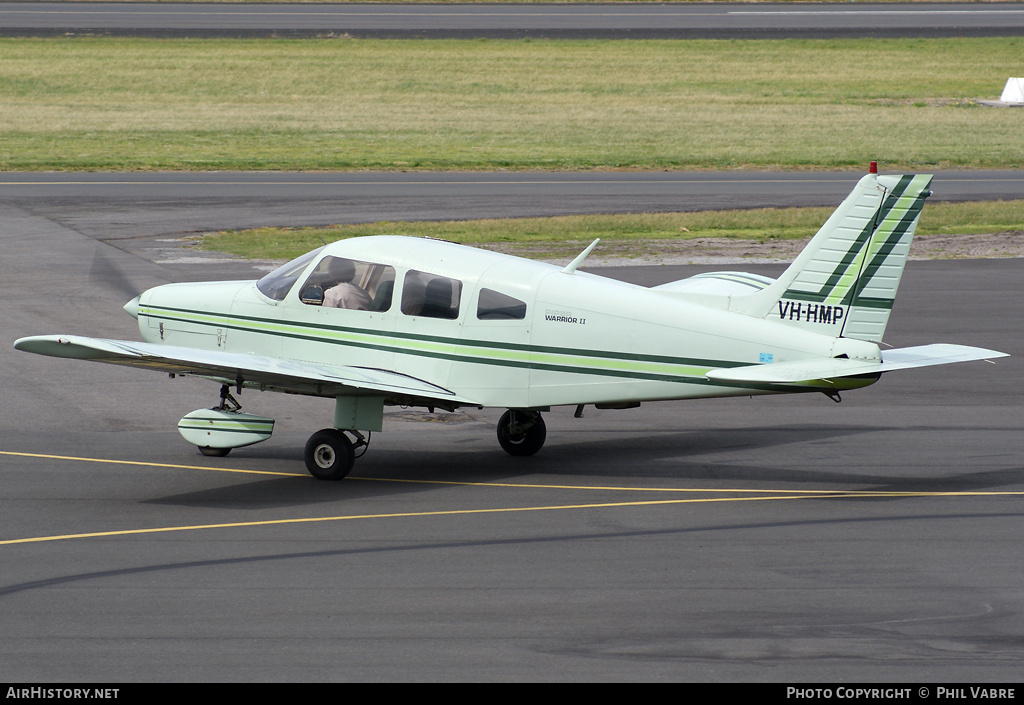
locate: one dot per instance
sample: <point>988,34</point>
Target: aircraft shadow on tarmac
<point>630,460</point>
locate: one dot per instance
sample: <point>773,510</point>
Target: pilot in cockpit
<point>344,294</point>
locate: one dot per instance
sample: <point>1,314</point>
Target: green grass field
<point>337,104</point>
<point>91,103</point>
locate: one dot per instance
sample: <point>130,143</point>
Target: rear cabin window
<point>430,295</point>
<point>338,282</point>
<point>495,306</point>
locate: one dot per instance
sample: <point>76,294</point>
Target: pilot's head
<point>340,270</point>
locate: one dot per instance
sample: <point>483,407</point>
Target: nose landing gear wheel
<point>329,454</point>
<point>521,433</point>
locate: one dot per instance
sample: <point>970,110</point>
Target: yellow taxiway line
<point>761,495</point>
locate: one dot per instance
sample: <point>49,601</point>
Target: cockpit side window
<point>278,283</point>
<point>495,306</point>
<point>339,282</point>
<point>430,295</point>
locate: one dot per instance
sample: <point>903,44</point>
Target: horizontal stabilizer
<point>799,371</point>
<point>823,369</point>
<point>934,354</point>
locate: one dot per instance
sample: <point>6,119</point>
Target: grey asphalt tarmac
<point>625,20</point>
<point>678,541</point>
<point>150,203</point>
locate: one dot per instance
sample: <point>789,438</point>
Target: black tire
<point>329,455</point>
<point>213,452</point>
<point>521,433</point>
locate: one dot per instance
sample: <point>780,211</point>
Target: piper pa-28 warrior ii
<point>380,321</point>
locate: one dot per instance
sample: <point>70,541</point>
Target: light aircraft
<point>380,321</point>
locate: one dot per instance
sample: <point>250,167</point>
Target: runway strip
<point>610,20</point>
<point>157,204</point>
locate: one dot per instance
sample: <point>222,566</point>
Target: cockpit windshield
<point>278,283</point>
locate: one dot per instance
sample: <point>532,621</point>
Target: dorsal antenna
<point>571,267</point>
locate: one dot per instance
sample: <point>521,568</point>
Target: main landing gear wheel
<point>521,432</point>
<point>329,454</point>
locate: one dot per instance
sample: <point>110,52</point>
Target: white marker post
<point>1013,92</point>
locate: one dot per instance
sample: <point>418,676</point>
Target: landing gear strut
<point>227,402</point>
<point>521,433</point>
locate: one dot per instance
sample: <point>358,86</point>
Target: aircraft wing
<point>253,370</point>
<point>803,371</point>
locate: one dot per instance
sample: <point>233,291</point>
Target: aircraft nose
<point>132,307</point>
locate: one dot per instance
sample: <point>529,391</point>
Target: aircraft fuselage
<point>515,333</point>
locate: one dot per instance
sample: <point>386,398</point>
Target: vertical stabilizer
<point>845,280</point>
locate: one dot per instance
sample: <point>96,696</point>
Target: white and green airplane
<point>380,321</point>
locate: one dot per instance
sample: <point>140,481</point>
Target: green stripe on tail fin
<point>845,280</point>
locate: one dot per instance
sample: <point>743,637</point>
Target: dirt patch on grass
<point>1005,244</point>
<point>735,251</point>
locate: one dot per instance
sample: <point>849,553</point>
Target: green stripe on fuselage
<point>594,362</point>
